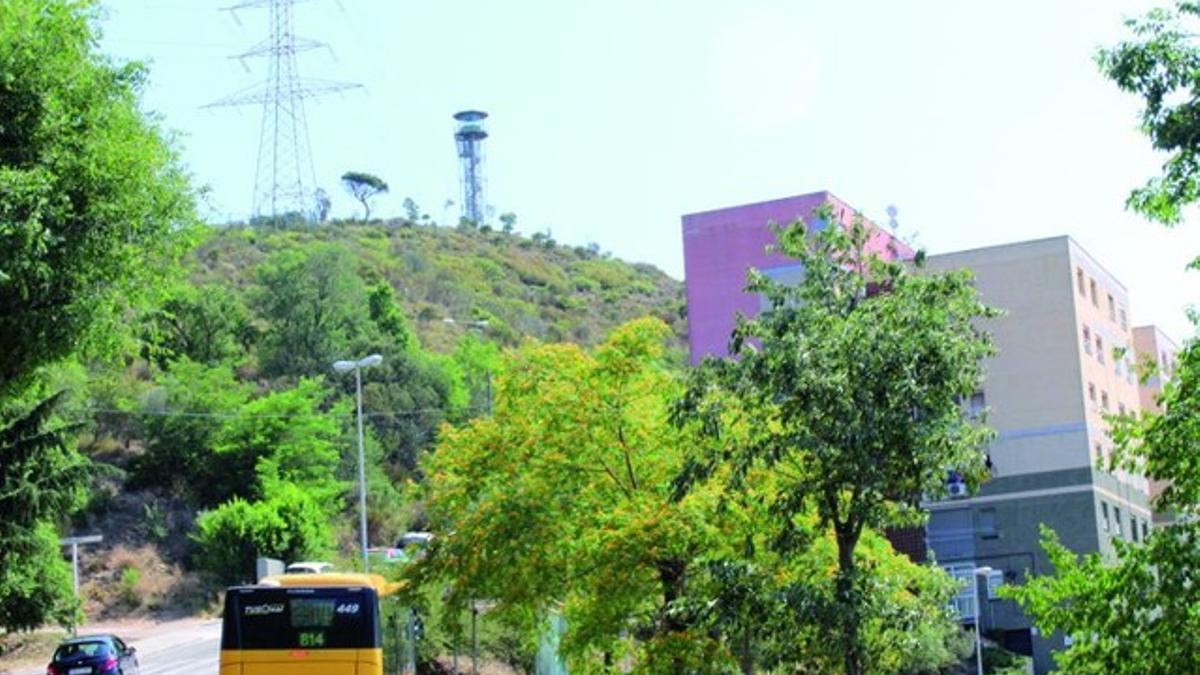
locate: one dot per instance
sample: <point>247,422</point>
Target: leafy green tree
<point>478,360</point>
<point>364,187</point>
<point>1137,613</point>
<point>181,420</point>
<point>315,305</point>
<point>389,317</point>
<point>35,581</point>
<point>41,480</point>
<point>207,323</point>
<point>1160,62</point>
<point>851,382</point>
<point>291,525</point>
<point>563,498</point>
<point>283,437</point>
<point>90,191</point>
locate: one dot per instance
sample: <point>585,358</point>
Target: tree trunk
<point>847,598</point>
<point>671,576</point>
<point>746,659</point>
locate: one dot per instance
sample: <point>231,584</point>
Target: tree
<point>283,437</point>
<point>364,187</point>
<point>90,191</point>
<point>179,447</point>
<point>1161,64</point>
<point>315,304</point>
<point>41,478</point>
<point>291,525</point>
<point>205,323</point>
<point>851,381</point>
<point>1137,613</point>
<point>563,498</point>
<point>323,204</point>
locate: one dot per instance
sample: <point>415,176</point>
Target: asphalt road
<point>188,647</point>
<point>182,652</point>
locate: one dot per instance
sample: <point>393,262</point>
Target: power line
<point>231,415</point>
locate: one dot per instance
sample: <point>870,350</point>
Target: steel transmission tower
<point>469,137</point>
<point>284,179</point>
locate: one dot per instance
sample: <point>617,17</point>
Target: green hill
<point>523,287</point>
<point>226,405</point>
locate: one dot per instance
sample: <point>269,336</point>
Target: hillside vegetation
<point>223,432</point>
<point>523,287</point>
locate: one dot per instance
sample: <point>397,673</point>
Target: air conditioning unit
<point>957,489</point>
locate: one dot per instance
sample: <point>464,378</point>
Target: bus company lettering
<point>262,610</point>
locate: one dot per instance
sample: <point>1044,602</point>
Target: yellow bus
<point>304,624</point>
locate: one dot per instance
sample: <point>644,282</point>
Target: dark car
<point>93,655</point>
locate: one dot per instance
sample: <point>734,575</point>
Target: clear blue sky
<point>983,122</point>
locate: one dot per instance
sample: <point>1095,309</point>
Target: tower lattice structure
<point>284,178</point>
<point>469,138</point>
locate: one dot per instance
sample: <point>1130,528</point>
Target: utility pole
<point>284,179</point>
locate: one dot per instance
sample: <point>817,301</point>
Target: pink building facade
<point>720,247</point>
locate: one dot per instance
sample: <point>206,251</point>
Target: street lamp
<point>357,366</point>
<point>984,572</point>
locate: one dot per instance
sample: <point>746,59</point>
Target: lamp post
<point>357,366</point>
<point>979,572</point>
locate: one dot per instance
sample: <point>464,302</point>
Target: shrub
<point>130,577</point>
<point>289,526</point>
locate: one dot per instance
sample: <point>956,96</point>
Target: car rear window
<point>82,650</point>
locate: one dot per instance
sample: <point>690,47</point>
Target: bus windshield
<point>300,618</point>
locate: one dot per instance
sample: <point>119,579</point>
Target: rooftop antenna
<point>284,179</point>
<point>468,136</point>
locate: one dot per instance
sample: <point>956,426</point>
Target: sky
<point>981,122</point>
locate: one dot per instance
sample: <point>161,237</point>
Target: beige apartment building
<point>1065,360</point>
<point>1155,349</point>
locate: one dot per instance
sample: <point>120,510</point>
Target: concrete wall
<point>1031,390</point>
<point>1152,344</point>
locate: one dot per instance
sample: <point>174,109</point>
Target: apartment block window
<point>1133,531</point>
<point>977,404</point>
<point>1117,521</point>
<point>995,580</point>
<point>1145,531</point>
<point>1121,409</point>
<point>1100,349</point>
<point>1087,340</point>
<point>1124,319</point>
<point>1079,281</point>
<point>1095,298</point>
<point>1104,400</point>
<point>1104,512</point>
<point>1112,308</point>
<point>1091,392</point>
<point>1129,372</point>
<point>987,524</point>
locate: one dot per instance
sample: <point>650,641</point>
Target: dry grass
<point>127,580</point>
<point>25,650</point>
